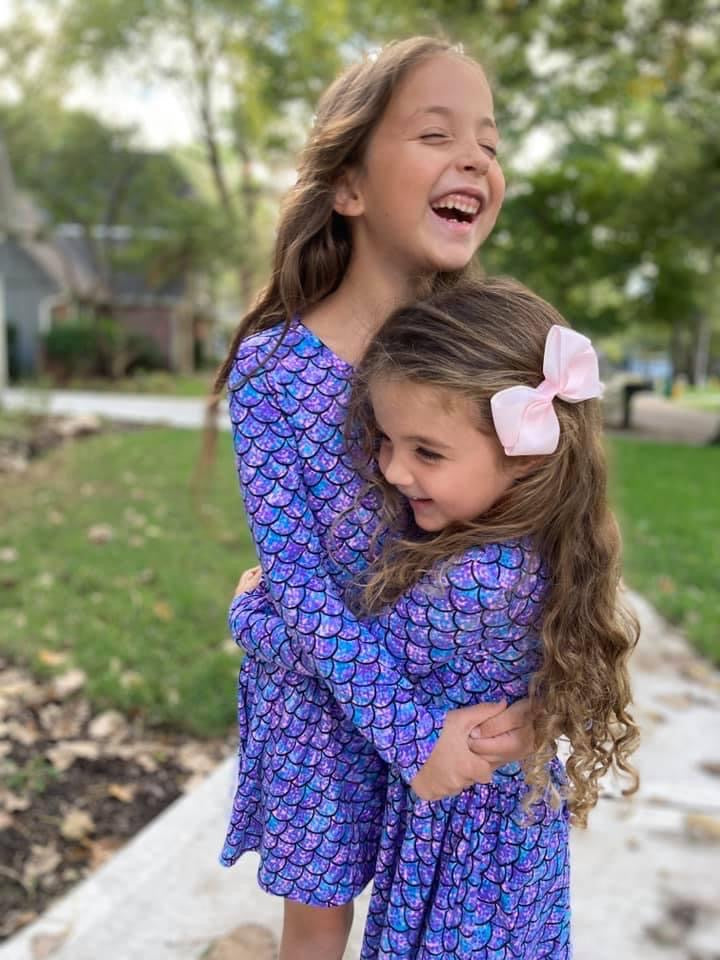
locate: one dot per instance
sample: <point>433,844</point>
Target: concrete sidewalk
<point>186,412</point>
<point>645,874</point>
<point>654,417</point>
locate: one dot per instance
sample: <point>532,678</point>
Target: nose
<point>394,470</point>
<point>473,157</point>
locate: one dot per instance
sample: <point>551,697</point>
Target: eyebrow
<point>427,442</point>
<point>447,112</point>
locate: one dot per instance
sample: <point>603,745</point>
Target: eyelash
<point>428,454</point>
<point>492,151</point>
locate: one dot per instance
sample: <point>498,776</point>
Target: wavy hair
<point>471,341</point>
<point>313,245</point>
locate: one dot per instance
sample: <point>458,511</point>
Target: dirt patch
<point>75,786</point>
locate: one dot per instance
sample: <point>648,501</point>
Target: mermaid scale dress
<point>469,876</point>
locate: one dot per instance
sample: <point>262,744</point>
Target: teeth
<point>458,201</point>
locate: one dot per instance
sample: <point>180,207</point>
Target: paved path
<point>645,874</point>
<point>654,417</point>
<point>135,408</point>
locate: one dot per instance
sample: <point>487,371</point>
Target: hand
<point>504,737</point>
<point>249,580</point>
<point>452,767</point>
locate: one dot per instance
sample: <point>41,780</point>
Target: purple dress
<point>463,877</point>
<point>311,790</point>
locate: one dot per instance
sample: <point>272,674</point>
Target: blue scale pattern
<point>469,876</point>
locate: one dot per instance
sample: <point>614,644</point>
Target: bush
<point>101,347</point>
<point>72,350</point>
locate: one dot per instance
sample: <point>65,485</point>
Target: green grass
<point>143,614</point>
<point>706,398</point>
<point>152,382</point>
<point>669,507</point>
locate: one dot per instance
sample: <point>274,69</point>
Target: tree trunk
<point>701,352</point>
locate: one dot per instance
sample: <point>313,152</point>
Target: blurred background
<point>144,149</point>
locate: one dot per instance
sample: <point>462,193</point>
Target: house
<point>48,273</point>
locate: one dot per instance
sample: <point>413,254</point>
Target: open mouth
<point>457,207</point>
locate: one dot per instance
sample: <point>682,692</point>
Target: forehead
<point>446,81</point>
<point>403,407</point>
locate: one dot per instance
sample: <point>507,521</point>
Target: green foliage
<point>98,347</point>
<point>72,350</point>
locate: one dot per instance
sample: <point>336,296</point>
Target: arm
<point>326,637</point>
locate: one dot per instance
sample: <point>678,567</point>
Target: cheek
<point>382,458</point>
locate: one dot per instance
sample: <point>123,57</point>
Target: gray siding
<point>26,286</point>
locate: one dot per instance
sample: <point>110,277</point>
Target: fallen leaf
<point>51,658</point>
<point>102,850</point>
<point>45,580</point>
<point>68,683</point>
<point>110,725</point>
<point>8,555</point>
<point>14,920</point>
<point>64,721</point>
<point>77,824</point>
<point>43,945</point>
<point>100,533</point>
<point>194,759</point>
<point>55,518</point>
<point>163,611</point>
<point>702,827</point>
<point>13,802</point>
<point>25,733</point>
<point>42,861</point>
<point>124,792</point>
<point>64,754</point>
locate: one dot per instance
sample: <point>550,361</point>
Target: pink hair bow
<point>524,417</point>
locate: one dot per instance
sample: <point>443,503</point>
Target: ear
<point>348,197</point>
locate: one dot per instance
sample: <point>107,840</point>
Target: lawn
<point>106,560</point>
<point>668,500</point>
<point>198,384</point>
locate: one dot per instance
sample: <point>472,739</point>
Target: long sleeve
<point>485,605</point>
<point>364,677</point>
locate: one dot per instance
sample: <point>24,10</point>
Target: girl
<point>398,186</point>
<point>501,575</point>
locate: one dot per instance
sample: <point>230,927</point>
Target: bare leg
<point>315,933</point>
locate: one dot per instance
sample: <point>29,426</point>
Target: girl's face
<point>430,188</point>
<point>433,453</point>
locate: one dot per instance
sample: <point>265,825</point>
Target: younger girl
<point>398,186</point>
<point>501,576</point>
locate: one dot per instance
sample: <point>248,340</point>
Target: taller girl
<point>397,188</point>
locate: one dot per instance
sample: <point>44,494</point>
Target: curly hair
<point>471,341</point>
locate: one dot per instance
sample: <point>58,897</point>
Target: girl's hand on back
<point>248,581</point>
<point>452,767</point>
<point>505,736</point>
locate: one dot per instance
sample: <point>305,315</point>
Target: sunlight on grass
<point>669,507</point>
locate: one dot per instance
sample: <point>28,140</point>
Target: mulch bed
<point>76,786</point>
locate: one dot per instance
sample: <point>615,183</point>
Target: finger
<point>515,745</point>
<point>517,715</point>
<point>480,713</point>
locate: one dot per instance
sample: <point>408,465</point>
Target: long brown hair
<point>313,244</point>
<point>471,341</point>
